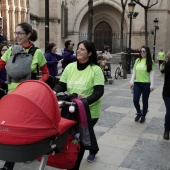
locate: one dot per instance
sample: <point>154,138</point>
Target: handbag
<point>68,156</point>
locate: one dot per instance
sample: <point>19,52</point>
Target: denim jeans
<point>167,115</point>
<point>144,90</point>
<point>109,66</point>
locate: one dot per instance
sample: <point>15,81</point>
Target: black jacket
<point>166,87</point>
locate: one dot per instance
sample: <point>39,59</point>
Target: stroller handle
<point>62,103</point>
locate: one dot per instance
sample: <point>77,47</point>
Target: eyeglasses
<point>142,51</point>
<point>81,49</point>
<point>19,33</point>
<point>72,44</point>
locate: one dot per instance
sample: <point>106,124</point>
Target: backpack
<point>19,63</point>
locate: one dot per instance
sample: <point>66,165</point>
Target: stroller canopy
<point>29,114</point>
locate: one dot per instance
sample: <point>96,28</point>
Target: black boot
<point>138,117</point>
<point>166,134</point>
<point>142,120</point>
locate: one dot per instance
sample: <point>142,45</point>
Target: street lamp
<point>156,28</point>
<point>131,15</point>
<point>46,23</point>
<point>131,6</point>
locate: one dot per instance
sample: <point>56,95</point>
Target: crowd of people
<point>83,64</point>
<point>84,73</point>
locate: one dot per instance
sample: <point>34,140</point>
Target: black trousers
<point>82,150</point>
<point>9,165</point>
<point>167,115</point>
<point>160,62</point>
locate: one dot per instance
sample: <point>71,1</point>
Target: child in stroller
<point>106,71</point>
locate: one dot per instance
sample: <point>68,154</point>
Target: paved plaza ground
<point>125,144</point>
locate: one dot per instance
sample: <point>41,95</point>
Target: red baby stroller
<point>31,124</point>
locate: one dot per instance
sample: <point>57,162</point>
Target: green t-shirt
<point>82,82</point>
<point>161,55</point>
<point>38,58</point>
<point>141,71</point>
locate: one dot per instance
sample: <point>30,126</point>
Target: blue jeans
<point>109,66</point>
<point>167,115</point>
<point>144,89</point>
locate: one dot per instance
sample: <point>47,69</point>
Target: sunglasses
<point>142,51</point>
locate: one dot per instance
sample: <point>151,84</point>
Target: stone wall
<point>15,11</point>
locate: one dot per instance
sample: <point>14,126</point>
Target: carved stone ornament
<point>74,2</point>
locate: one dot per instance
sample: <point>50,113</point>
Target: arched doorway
<point>103,36</point>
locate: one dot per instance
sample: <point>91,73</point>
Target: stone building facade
<point>68,19</point>
<point>12,12</point>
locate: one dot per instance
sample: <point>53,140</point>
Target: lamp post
<point>90,20</point>
<point>131,6</point>
<point>156,28</point>
<point>46,23</point>
<point>131,15</point>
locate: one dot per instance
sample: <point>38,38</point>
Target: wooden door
<point>103,36</point>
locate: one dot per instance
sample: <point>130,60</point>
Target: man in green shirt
<point>161,56</point>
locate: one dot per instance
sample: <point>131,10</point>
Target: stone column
<point>11,20</point>
<point>0,14</point>
<point>23,11</point>
<point>5,15</point>
<point>17,12</point>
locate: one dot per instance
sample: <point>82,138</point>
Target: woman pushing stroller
<point>85,78</point>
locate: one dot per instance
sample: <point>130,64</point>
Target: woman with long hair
<point>142,82</point>
<point>85,78</point>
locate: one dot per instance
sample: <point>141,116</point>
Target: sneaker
<point>137,117</point>
<point>142,120</point>
<point>166,134</point>
<point>91,158</point>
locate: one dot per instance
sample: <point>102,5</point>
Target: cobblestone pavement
<point>126,144</point>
